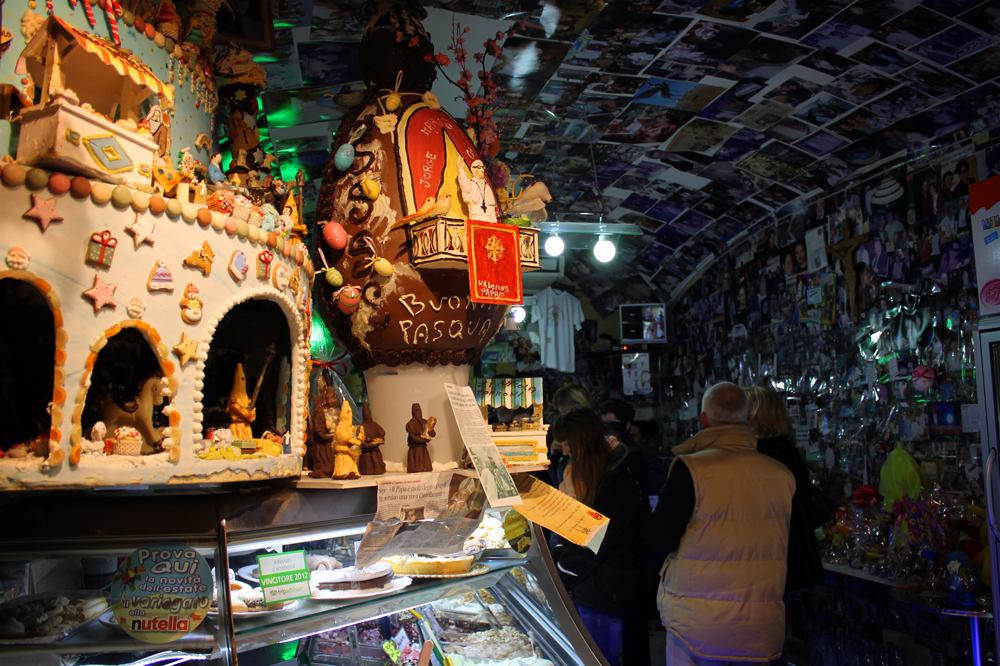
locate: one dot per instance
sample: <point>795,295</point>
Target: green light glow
<point>283,117</point>
<point>266,58</point>
<point>321,344</point>
<point>289,168</point>
<point>290,649</point>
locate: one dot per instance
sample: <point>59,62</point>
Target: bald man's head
<point>724,404</point>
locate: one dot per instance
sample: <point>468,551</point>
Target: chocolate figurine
<point>323,423</point>
<point>346,445</point>
<point>371,462</point>
<point>419,431</point>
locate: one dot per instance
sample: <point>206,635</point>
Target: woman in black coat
<point>605,586</point>
<point>770,423</point>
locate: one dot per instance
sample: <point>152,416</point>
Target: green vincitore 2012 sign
<point>284,576</point>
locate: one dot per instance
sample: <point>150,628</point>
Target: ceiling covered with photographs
<point>703,122</point>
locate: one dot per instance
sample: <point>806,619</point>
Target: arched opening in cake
<point>126,391</point>
<point>27,362</point>
<point>255,334</point>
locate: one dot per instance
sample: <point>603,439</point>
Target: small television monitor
<point>643,322</point>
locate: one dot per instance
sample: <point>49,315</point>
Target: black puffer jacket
<point>805,568</point>
<point>610,579</point>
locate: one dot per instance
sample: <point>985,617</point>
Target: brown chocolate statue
<point>371,462</point>
<point>419,431</point>
<point>321,428</point>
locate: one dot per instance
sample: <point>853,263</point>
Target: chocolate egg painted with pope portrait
<point>421,312</point>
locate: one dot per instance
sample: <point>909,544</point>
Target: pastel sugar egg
<point>334,235</point>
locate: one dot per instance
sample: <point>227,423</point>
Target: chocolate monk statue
<point>419,431</point>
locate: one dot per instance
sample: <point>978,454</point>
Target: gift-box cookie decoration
<point>102,294</point>
<point>101,248</point>
<point>160,278</point>
<point>238,266</point>
<point>202,259</point>
<point>142,230</point>
<point>264,260</point>
<point>192,307</point>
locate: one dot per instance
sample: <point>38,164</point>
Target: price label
<point>284,576</point>
<point>391,651</point>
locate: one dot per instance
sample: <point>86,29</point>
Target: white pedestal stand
<point>392,392</point>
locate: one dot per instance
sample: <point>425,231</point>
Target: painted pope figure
<point>477,192</point>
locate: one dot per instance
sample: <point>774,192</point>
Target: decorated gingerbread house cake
<point>158,313</point>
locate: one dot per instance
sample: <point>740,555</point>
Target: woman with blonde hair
<point>773,428</point>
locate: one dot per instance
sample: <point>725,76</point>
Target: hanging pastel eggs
<point>344,157</point>
<point>370,188</point>
<point>333,277</point>
<point>334,235</point>
<point>349,299</point>
<point>392,101</point>
<point>381,266</point>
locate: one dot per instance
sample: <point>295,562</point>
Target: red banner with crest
<point>494,263</point>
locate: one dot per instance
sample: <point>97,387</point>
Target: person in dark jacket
<point>605,586</point>
<point>564,398</point>
<point>619,417</point>
<point>770,423</point>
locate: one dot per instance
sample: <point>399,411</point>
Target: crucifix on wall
<point>844,250</point>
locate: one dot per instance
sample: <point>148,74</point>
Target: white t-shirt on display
<point>558,314</point>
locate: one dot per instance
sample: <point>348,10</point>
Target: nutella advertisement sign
<point>984,206</point>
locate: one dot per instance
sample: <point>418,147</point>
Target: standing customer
<point>723,520</point>
<point>604,586</point>
<point>770,423</point>
<point>564,398</point>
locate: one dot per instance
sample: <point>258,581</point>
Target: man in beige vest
<point>722,523</point>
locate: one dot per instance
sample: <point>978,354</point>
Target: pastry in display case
<point>505,608</point>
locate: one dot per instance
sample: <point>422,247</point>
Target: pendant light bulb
<point>554,246</point>
<point>519,313</point>
<point>604,250</point>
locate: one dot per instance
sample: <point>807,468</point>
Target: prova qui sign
<point>162,592</point>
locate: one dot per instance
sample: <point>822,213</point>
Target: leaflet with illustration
<point>497,481</point>
<point>560,513</point>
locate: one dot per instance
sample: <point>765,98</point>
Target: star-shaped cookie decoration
<point>43,211</point>
<point>186,349</point>
<point>141,230</point>
<point>102,294</point>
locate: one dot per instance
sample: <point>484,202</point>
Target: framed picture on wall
<point>252,25</point>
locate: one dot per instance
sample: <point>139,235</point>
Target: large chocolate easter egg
<point>412,275</point>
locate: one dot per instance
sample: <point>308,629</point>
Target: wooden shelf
<point>304,482</point>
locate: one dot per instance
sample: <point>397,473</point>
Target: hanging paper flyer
<point>560,513</point>
<point>496,480</point>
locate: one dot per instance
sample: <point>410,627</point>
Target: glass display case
<point>987,344</point>
<point>513,611</point>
